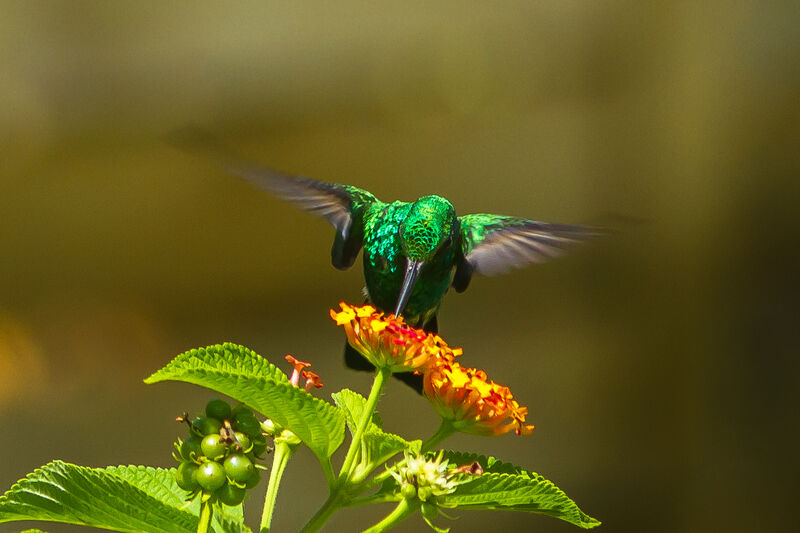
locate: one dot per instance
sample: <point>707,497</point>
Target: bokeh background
<point>660,366</point>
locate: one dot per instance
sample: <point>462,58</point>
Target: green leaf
<point>67,493</point>
<point>503,486</point>
<point>527,492</point>
<point>490,464</point>
<point>227,357</point>
<point>380,447</point>
<point>160,484</point>
<point>352,405</point>
<point>242,374</point>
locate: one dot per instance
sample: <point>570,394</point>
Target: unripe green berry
<point>254,479</point>
<point>219,409</point>
<point>250,426</point>
<point>211,476</point>
<point>231,494</point>
<point>239,409</point>
<point>238,467</point>
<point>205,425</point>
<point>244,442</point>
<point>259,446</point>
<point>190,449</point>
<point>213,447</point>
<point>186,476</point>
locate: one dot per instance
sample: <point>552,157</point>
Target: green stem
<point>323,514</point>
<point>366,417</point>
<point>338,497</point>
<point>377,480</point>
<point>205,517</point>
<point>282,453</point>
<point>367,500</point>
<point>445,430</point>
<point>400,513</point>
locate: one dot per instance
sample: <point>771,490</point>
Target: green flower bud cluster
<point>424,478</point>
<point>218,457</point>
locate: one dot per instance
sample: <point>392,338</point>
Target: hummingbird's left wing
<point>493,244</point>
<point>342,205</point>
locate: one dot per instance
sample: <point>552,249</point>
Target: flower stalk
<point>283,451</point>
<point>445,430</point>
<point>206,512</point>
<point>372,402</point>
<point>338,496</point>
<point>400,513</point>
<point>331,505</point>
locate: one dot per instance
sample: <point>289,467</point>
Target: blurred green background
<point>660,366</point>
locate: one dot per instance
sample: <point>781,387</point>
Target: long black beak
<point>413,269</point>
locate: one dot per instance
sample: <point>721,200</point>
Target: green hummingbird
<point>413,251</point>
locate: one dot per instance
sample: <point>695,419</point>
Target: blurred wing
<point>493,244</point>
<point>335,202</point>
<point>338,204</point>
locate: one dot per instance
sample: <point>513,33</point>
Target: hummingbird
<point>413,252</point>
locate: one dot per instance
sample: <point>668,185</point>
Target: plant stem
<point>205,517</point>
<point>369,500</point>
<point>282,453</point>
<point>338,497</point>
<point>366,417</point>
<point>399,514</point>
<point>323,514</point>
<point>445,430</point>
<point>378,479</point>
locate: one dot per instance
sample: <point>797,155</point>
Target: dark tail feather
<point>355,361</point>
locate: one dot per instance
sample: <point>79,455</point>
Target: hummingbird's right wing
<point>342,205</point>
<point>493,244</point>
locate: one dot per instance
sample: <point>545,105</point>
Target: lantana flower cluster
<point>461,395</point>
<point>424,477</point>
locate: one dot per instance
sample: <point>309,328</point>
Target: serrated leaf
<point>67,493</point>
<point>527,492</point>
<point>227,357</point>
<point>382,446</point>
<point>352,405</point>
<point>242,374</point>
<point>160,484</point>
<point>490,464</point>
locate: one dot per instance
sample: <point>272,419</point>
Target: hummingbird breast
<point>385,262</point>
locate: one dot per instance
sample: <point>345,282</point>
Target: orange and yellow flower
<point>387,341</point>
<point>473,403</point>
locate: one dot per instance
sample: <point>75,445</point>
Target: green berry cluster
<point>218,457</point>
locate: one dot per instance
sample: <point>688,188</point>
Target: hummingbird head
<point>426,227</point>
<point>425,230</point>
